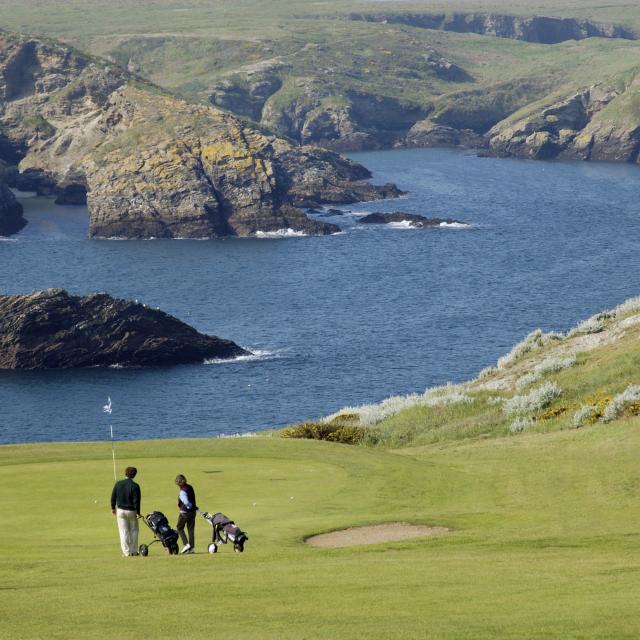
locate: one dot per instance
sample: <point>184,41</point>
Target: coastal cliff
<point>54,330</point>
<point>597,123</point>
<point>326,106</point>
<point>152,165</point>
<point>538,29</point>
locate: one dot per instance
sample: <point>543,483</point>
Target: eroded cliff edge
<point>149,164</point>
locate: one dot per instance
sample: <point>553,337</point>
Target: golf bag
<point>162,531</point>
<point>225,530</point>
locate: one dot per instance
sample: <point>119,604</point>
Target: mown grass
<point>544,541</point>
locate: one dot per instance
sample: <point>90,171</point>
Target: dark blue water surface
<point>340,320</point>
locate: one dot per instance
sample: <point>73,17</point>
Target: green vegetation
<point>548,382</point>
<point>331,432</point>
<point>186,47</point>
<point>544,517</point>
<point>545,530</point>
<point>39,125</point>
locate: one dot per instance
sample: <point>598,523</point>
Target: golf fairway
<point>545,532</point>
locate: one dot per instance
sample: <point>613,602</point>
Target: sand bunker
<point>374,534</point>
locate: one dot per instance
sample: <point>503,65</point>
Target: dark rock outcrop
<point>324,108</point>
<point>11,220</point>
<point>149,164</point>
<point>246,93</point>
<point>54,330</point>
<point>352,121</point>
<point>419,222</point>
<point>540,29</point>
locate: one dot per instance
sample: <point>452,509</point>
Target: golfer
<point>125,505</point>
<point>187,517</point>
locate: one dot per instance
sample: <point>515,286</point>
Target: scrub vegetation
<point>548,381</point>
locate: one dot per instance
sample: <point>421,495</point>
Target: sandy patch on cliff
<point>374,534</point>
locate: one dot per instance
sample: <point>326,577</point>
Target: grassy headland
<point>322,58</point>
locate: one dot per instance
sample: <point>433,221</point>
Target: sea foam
<point>402,224</point>
<point>255,355</point>
<point>454,225</point>
<point>280,233</point>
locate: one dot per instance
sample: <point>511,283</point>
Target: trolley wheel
<point>238,548</point>
<point>174,549</point>
<point>143,550</point>
<point>213,548</point>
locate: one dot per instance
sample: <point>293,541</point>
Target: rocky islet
<point>414,220</point>
<point>54,330</point>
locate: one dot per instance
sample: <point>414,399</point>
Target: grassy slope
<point>597,375</point>
<point>186,46</point>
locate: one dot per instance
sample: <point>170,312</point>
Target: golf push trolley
<point>162,532</point>
<point>225,531</point>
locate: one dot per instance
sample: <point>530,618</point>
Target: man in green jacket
<point>125,505</point>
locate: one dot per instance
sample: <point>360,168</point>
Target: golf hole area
<point>375,534</point>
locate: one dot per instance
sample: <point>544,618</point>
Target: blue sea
<point>339,320</point>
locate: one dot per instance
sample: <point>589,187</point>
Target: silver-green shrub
<point>527,379</point>
<point>535,340</point>
<point>370,414</point>
<point>630,395</point>
<point>520,424</point>
<point>486,372</point>
<point>628,307</point>
<point>594,324</point>
<point>549,365</point>
<point>536,399</point>
<point>584,415</point>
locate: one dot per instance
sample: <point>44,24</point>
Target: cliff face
<point>204,174</point>
<point>53,330</point>
<point>152,165</point>
<point>11,219</point>
<point>326,106</point>
<point>598,123</point>
<point>540,29</point>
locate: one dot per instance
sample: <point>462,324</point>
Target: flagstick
<point>113,453</point>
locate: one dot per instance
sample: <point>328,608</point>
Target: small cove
<point>336,320</point>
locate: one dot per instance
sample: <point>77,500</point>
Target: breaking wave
<point>255,355</point>
<point>280,233</point>
<point>454,225</point>
<point>401,224</point>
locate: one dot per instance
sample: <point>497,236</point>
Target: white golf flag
<point>107,407</point>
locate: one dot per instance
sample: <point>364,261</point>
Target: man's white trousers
<point>128,529</point>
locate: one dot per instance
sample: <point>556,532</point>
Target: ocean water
<point>340,320</point>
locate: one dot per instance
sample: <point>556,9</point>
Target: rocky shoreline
<point>54,330</point>
<point>149,164</point>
